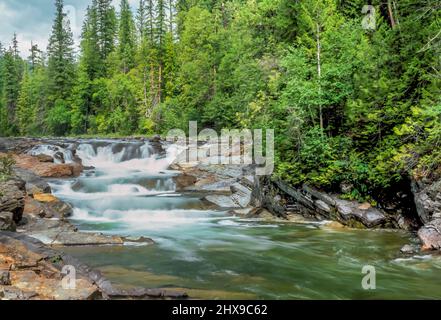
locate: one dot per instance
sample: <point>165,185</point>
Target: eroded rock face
<point>282,200</point>
<point>427,197</point>
<point>430,235</point>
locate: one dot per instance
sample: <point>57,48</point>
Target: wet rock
<point>7,222</point>
<point>241,195</point>
<point>12,194</point>
<point>242,212</point>
<point>351,212</point>
<point>66,236</point>
<point>59,156</point>
<point>44,158</point>
<point>222,201</point>
<point>184,181</point>
<point>408,249</point>
<point>34,183</point>
<point>137,240</point>
<point>53,209</point>
<point>430,235</point>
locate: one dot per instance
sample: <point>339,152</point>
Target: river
<point>211,254</point>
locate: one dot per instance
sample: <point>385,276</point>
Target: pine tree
<point>11,88</point>
<point>35,58</point>
<point>61,69</point>
<point>106,26</point>
<point>126,43</point>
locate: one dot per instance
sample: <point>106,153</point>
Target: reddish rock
<point>47,169</point>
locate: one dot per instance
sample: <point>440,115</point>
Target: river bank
<point>231,195</point>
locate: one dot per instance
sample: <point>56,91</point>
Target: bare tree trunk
<point>391,13</point>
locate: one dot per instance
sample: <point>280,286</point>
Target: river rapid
<point>128,190</point>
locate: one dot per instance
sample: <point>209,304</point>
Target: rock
<point>5,279</point>
<point>59,156</point>
<point>248,181</point>
<point>321,205</point>
<point>53,209</point>
<point>408,249</point>
<point>71,238</point>
<point>44,158</point>
<point>7,222</point>
<point>45,197</point>
<point>138,240</point>
<point>12,195</point>
<point>47,170</point>
<point>184,181</point>
<point>241,195</point>
<point>352,215</point>
<point>13,293</point>
<point>426,197</point>
<point>430,235</point>
<point>222,201</point>
<point>242,212</point>
<point>319,195</point>
<point>34,183</point>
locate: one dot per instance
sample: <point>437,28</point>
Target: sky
<point>32,20</point>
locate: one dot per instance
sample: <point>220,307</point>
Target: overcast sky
<point>32,20</point>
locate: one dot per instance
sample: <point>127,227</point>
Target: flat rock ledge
<point>29,270</point>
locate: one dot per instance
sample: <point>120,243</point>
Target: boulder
<point>353,213</point>
<point>427,196</point>
<point>44,158</point>
<point>184,181</point>
<point>12,194</point>
<point>52,209</point>
<point>34,183</point>
<point>47,170</point>
<point>7,222</point>
<point>430,235</point>
<point>408,249</point>
<point>241,195</point>
<point>222,201</point>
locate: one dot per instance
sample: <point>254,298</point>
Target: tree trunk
<point>391,13</point>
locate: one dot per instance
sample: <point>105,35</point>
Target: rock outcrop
<point>282,199</point>
<point>47,169</point>
<point>427,195</point>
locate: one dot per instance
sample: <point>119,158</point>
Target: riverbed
<point>128,190</point>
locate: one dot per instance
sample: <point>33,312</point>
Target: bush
<point>6,165</point>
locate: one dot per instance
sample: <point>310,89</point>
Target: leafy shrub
<point>6,165</point>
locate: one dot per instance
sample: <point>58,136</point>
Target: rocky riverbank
<point>34,228</point>
<point>34,225</point>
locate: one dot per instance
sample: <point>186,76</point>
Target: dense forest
<point>352,91</point>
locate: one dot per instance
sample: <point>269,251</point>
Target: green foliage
<point>58,118</point>
<point>7,163</point>
<point>349,106</point>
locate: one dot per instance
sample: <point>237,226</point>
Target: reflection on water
<point>211,254</point>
